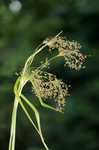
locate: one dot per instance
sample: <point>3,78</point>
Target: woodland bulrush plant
<point>45,85</point>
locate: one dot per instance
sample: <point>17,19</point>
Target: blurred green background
<point>23,26</point>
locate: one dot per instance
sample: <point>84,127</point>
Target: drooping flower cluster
<point>47,84</point>
<point>70,50</point>
<point>49,87</point>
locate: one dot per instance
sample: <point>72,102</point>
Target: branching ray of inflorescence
<point>45,85</point>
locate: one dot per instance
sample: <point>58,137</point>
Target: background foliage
<point>20,34</point>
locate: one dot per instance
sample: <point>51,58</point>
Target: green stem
<point>30,59</point>
<point>13,122</point>
<point>37,119</point>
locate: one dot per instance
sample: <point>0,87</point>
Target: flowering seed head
<point>47,84</point>
<point>51,87</point>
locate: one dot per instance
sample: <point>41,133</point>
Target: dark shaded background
<point>20,33</point>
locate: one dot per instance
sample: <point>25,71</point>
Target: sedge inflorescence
<point>48,85</point>
<point>70,50</point>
